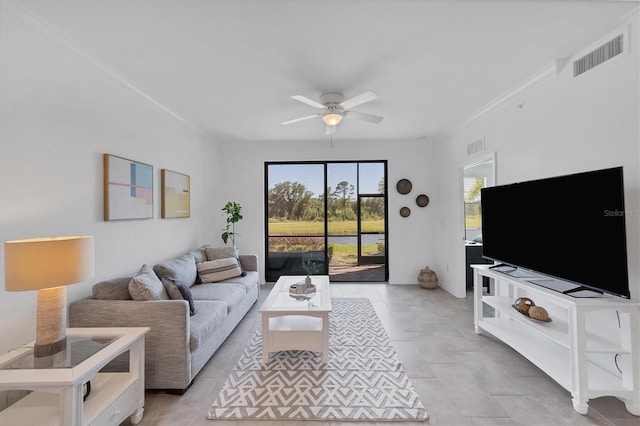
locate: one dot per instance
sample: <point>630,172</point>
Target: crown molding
<point>20,14</point>
<point>550,71</point>
<point>632,14</point>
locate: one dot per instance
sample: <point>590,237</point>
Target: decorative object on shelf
<point>233,211</point>
<point>404,186</point>
<point>523,304</point>
<point>60,261</point>
<point>539,313</point>
<point>405,212</point>
<point>528,315</point>
<point>422,200</point>
<point>176,194</point>
<point>128,189</point>
<point>427,278</point>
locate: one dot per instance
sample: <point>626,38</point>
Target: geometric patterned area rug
<point>363,380</point>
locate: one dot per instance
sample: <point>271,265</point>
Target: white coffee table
<point>292,324</point>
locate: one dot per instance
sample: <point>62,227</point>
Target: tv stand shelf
<point>588,363</point>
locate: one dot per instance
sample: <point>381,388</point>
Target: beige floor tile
<point>462,378</point>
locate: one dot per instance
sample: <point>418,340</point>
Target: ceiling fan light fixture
<point>332,118</point>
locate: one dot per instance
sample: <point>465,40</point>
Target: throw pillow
<point>214,253</point>
<point>182,270</point>
<point>179,291</point>
<point>199,254</point>
<point>213,271</point>
<point>113,289</point>
<point>146,285</point>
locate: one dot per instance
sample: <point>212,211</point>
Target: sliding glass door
<point>328,214</point>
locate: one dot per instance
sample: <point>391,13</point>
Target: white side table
<point>57,381</point>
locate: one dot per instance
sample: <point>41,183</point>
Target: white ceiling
<point>229,67</point>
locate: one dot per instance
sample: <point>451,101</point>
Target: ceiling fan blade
<point>295,120</point>
<point>358,100</point>
<point>331,129</point>
<point>363,116</point>
<point>308,101</point>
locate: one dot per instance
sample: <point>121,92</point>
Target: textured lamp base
<point>49,349</point>
<point>51,322</point>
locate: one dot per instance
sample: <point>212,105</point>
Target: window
<point>331,213</point>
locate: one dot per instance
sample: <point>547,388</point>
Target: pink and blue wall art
<point>128,187</point>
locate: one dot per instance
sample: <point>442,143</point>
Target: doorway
<point>477,175</point>
<point>328,214</point>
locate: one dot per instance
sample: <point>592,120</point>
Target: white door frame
<point>461,286</point>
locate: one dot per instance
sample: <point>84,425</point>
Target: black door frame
<point>385,196</point>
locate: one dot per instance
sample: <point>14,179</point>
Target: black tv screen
<point>568,227</point>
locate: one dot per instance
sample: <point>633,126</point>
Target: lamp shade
<point>332,118</point>
<point>41,263</point>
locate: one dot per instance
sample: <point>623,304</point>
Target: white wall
<point>62,109</point>
<point>59,114</point>
<point>566,125</point>
<point>412,243</point>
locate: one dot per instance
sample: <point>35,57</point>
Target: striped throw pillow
<point>218,270</point>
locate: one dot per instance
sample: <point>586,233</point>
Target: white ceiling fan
<point>335,108</point>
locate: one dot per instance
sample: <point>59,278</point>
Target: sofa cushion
<point>182,270</point>
<point>146,285</point>
<point>248,262</point>
<point>213,271</point>
<point>211,314</point>
<point>179,292</point>
<point>199,254</point>
<point>113,289</point>
<point>249,281</point>
<point>214,253</point>
<point>231,294</point>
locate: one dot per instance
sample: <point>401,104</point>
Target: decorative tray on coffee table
<point>302,291</point>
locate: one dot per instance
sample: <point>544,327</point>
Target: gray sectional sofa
<point>184,333</point>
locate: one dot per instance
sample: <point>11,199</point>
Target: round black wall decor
<point>422,200</point>
<point>405,212</point>
<point>404,186</point>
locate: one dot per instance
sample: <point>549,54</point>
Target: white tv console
<point>588,365</point>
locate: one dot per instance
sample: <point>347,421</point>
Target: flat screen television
<point>568,227</point>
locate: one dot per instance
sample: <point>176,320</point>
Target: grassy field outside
<point>473,221</point>
<point>348,253</point>
<point>317,228</point>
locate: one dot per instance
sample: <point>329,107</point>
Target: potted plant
<point>310,267</point>
<point>233,211</point>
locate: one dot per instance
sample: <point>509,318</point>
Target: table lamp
<point>48,265</point>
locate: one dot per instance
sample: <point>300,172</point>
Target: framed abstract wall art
<point>128,189</point>
<point>176,195</point>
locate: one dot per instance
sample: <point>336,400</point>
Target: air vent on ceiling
<point>476,146</point>
<point>601,54</point>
